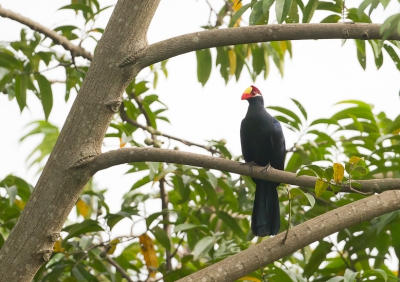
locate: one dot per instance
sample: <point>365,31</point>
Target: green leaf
<point>349,275</point>
<point>46,94</point>
<point>238,14</point>
<point>331,19</point>
<point>361,56</point>
<point>203,246</point>
<point>294,192</point>
<point>319,172</point>
<point>141,182</point>
<point>317,257</point>
<point>282,8</point>
<point>232,223</point>
<point>86,226</point>
<point>389,26</point>
<point>21,84</point>
<point>162,237</point>
<point>286,112</point>
<point>309,10</point>
<point>392,53</point>
<point>378,56</point>
<point>301,108</point>
<point>190,226</point>
<point>267,5</point>
<point>257,16</point>
<point>375,273</point>
<point>204,65</point>
<point>77,7</point>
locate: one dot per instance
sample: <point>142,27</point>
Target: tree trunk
<point>30,243</point>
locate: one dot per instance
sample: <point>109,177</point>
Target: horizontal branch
<point>268,251</point>
<point>179,45</point>
<point>76,51</point>
<point>126,155</point>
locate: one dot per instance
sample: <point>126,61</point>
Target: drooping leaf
<point>204,63</point>
<point>46,94</point>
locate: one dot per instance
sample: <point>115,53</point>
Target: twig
<point>125,117</point>
<point>166,227</point>
<point>118,268</point>
<point>57,39</point>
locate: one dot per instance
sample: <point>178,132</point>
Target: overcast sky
<point>320,74</point>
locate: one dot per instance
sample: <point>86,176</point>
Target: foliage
<point>205,215</point>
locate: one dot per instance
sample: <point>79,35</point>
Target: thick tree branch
<point>126,155</point>
<point>313,230</point>
<point>179,45</point>
<point>76,51</point>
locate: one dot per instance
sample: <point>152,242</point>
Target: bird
<point>263,144</point>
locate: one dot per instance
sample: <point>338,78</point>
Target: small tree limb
<point>126,155</point>
<point>76,51</point>
<point>179,45</point>
<point>268,251</point>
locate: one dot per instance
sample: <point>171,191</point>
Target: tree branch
<point>125,117</point>
<point>179,45</point>
<point>57,39</point>
<point>126,155</point>
<point>268,251</point>
<point>119,269</point>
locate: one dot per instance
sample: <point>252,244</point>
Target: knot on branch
<point>113,105</point>
<point>54,236</point>
<point>45,255</point>
<point>132,59</point>
<point>365,35</point>
<point>83,161</point>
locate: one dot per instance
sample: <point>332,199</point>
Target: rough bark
<point>268,251</point>
<point>31,241</point>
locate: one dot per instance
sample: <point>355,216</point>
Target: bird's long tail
<point>265,219</point>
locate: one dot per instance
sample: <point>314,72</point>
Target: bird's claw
<point>250,164</point>
<point>266,168</point>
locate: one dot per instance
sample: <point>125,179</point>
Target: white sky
<point>320,74</point>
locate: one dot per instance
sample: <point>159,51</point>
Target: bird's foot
<point>265,169</point>
<point>250,164</point>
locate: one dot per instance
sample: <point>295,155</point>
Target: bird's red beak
<point>247,93</point>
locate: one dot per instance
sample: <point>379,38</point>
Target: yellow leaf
<point>113,245</point>
<point>83,208</point>
<point>57,247</point>
<point>338,172</point>
<point>121,143</point>
<point>248,278</point>
<point>232,61</point>
<point>20,204</point>
<point>237,4</point>
<point>283,46</point>
<point>320,187</point>
<point>149,253</point>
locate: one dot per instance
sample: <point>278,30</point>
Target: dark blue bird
<point>263,144</point>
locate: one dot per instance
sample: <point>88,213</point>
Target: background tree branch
<point>268,251</point>
<point>76,51</point>
<point>261,33</point>
<point>126,155</point>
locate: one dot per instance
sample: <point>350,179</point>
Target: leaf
<point>232,223</point>
<point>309,10</point>
<point>12,193</point>
<point>286,112</point>
<point>317,257</point>
<point>149,253</point>
<point>375,273</point>
<point>282,8</point>
<point>338,172</point>
<point>301,108</point>
<point>267,5</point>
<point>392,53</point>
<point>202,247</point>
<point>320,187</point>
<point>46,94</point>
<point>331,19</point>
<point>204,65</point>
<point>232,61</point>
<point>319,172</point>
<point>294,192</point>
<point>113,246</point>
<point>77,7</point>
<point>238,14</point>
<point>257,16</point>
<point>21,84</point>
<point>293,16</point>
<point>189,226</point>
<point>349,275</point>
<point>83,208</point>
<point>361,56</point>
<point>86,226</point>
<point>162,237</point>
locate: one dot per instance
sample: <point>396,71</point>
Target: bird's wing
<point>278,145</point>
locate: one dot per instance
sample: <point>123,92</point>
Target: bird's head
<point>251,92</point>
